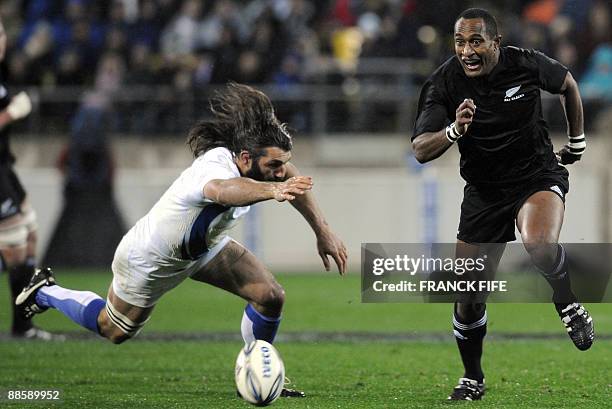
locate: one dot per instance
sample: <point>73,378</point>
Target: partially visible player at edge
<point>490,95</point>
<point>17,218</point>
<point>242,157</point>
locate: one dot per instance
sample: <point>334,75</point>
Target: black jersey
<point>12,192</point>
<point>6,157</point>
<point>507,141</point>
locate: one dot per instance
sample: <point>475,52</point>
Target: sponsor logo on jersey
<point>557,190</point>
<point>510,94</point>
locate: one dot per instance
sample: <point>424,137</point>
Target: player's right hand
<point>20,106</point>
<point>328,244</point>
<point>464,115</point>
<point>292,188</point>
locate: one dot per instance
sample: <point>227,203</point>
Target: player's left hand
<point>567,157</point>
<point>572,152</point>
<point>328,244</point>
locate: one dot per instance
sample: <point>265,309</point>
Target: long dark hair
<point>243,119</point>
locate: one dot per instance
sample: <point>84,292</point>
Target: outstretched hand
<point>292,187</point>
<point>328,244</point>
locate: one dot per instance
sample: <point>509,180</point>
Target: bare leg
<point>126,320</point>
<point>237,270</point>
<point>539,220</point>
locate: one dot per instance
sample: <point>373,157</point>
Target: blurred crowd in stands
<point>190,44</point>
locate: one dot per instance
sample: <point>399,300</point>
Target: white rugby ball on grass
<point>260,373</point>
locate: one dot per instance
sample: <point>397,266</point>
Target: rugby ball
<point>260,373</point>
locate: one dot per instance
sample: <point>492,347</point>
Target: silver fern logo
<point>510,94</point>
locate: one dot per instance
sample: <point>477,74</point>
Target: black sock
<point>470,336</point>
<point>559,280</point>
<point>19,277</point>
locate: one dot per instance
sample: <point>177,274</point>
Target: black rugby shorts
<point>488,214</point>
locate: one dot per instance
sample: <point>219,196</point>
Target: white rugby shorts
<point>141,283</point>
<point>16,235</point>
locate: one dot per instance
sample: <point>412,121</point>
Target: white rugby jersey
<point>183,224</point>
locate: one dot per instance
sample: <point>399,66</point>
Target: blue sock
<point>82,307</point>
<point>257,326</point>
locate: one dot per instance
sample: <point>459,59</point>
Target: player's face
<point>477,52</point>
<point>270,167</point>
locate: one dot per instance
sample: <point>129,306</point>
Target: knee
<point>469,312</point>
<point>272,298</point>
<point>117,339</point>
<point>13,256</point>
<point>116,336</point>
<point>543,252</point>
<point>111,332</point>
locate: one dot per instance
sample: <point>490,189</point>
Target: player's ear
<point>497,40</point>
<point>244,157</point>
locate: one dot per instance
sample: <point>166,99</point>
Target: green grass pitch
<point>391,355</point>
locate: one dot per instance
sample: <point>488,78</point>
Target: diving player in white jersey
<point>242,157</point>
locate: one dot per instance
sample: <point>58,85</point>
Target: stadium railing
<point>368,95</point>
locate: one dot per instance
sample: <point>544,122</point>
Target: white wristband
<point>577,144</point>
<point>451,133</point>
<point>20,106</point>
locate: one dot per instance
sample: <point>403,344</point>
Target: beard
<point>255,173</point>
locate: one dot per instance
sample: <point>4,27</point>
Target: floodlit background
<point>117,84</point>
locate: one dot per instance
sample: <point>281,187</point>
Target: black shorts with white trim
<point>488,214</point>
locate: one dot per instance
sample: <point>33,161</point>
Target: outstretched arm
<point>328,244</point>
<point>243,191</point>
<point>572,105</point>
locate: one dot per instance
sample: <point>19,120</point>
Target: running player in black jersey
<point>17,218</point>
<point>486,100</point>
